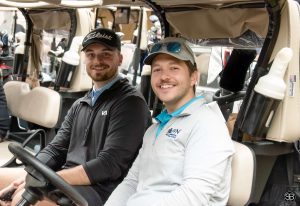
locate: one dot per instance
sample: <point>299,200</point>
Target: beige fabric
<point>202,61</point>
<point>224,23</point>
<point>243,175</point>
<point>35,62</point>
<point>51,20</point>
<point>46,21</point>
<point>285,124</point>
<point>39,105</point>
<point>214,19</point>
<point>217,3</point>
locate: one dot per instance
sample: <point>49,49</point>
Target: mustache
<point>166,82</point>
<point>100,65</point>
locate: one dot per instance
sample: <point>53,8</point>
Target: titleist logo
<point>97,35</point>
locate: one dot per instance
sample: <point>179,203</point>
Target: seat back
<point>39,105</point>
<point>243,175</point>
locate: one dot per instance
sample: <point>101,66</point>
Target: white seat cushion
<point>243,175</point>
<point>40,105</point>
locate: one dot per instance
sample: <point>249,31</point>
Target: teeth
<point>165,86</point>
<point>101,68</point>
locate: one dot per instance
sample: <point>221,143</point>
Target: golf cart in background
<point>131,23</point>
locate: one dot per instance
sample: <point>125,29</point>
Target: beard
<point>103,75</point>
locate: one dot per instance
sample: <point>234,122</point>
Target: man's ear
<point>194,78</point>
<point>120,59</point>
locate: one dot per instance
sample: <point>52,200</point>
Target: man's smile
<point>166,85</point>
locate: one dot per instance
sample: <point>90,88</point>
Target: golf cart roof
<point>211,18</point>
<point>215,18</point>
<point>51,3</point>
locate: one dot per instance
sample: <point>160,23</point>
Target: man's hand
<point>7,193</point>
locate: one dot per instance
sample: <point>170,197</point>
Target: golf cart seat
<point>39,106</point>
<point>243,175</point>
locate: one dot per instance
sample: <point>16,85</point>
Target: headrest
<point>40,105</point>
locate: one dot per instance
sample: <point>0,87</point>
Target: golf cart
<point>259,40</point>
<point>247,31</point>
<point>40,106</point>
<point>266,32</point>
<point>39,60</point>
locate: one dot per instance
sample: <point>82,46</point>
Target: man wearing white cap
<point>185,159</point>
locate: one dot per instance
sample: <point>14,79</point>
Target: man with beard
<point>102,131</point>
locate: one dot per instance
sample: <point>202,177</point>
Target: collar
<point>88,96</point>
<point>96,92</point>
<point>164,116</point>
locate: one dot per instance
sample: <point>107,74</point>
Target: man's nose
<point>164,74</point>
<point>98,59</point>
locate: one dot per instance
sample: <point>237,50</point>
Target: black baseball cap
<point>103,36</point>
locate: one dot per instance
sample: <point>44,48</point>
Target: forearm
<point>75,176</point>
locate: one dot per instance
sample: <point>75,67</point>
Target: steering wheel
<point>39,172</point>
<point>228,98</point>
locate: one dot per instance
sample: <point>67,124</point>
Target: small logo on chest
<point>173,132</point>
<point>104,113</point>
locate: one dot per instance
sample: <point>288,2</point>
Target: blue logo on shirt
<point>173,132</point>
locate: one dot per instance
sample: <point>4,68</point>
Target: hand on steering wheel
<point>41,178</point>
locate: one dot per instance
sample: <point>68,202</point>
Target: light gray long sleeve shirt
<point>187,164</point>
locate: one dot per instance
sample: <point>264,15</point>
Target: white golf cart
<point>251,32</point>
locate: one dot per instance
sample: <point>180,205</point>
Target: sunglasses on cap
<point>173,47</point>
